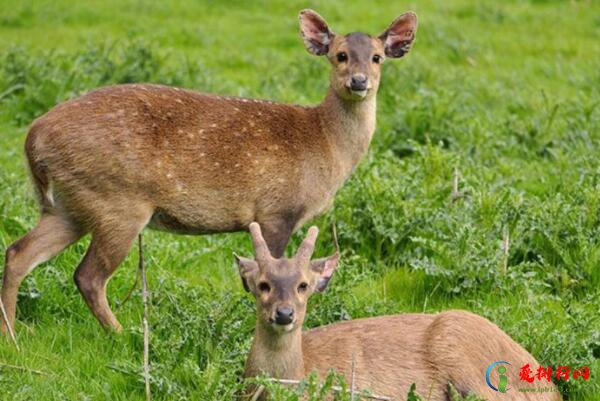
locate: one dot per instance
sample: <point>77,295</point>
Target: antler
<point>307,247</point>
<point>261,249</point>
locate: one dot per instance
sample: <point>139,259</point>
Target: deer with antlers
<point>390,353</point>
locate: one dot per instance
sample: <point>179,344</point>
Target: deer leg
<point>52,234</point>
<point>277,234</point>
<point>109,246</point>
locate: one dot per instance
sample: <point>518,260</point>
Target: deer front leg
<point>277,233</point>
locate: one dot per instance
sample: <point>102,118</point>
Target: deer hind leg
<point>111,241</point>
<point>52,234</point>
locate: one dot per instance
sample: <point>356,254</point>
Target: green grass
<point>506,93</point>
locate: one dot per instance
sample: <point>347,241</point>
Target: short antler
<point>308,245</point>
<point>261,250</point>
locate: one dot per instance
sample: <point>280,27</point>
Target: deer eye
<point>303,287</point>
<point>342,57</point>
<point>264,287</point>
<point>377,59</point>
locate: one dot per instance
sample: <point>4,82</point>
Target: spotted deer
<point>126,157</point>
<point>389,353</point>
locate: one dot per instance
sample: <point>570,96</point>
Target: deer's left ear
<point>400,35</point>
<point>247,268</point>
<point>324,269</point>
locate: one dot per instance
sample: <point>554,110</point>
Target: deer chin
<point>283,328</point>
<point>358,94</point>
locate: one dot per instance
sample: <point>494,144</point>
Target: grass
<point>505,93</point>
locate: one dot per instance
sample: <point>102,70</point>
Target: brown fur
<point>391,352</point>
<point>125,157</point>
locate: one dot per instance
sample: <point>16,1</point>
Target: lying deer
<point>125,157</point>
<point>390,352</point>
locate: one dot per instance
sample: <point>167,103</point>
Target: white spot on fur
<point>50,194</point>
<point>213,125</point>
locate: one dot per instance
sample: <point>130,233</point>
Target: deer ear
<point>324,269</point>
<point>315,32</point>
<point>247,268</point>
<point>400,35</point>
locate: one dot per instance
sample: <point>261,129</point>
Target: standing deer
<point>390,352</point>
<point>125,157</point>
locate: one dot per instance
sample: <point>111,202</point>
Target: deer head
<point>356,58</point>
<point>282,286</point>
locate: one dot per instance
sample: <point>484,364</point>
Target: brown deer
<point>390,352</point>
<point>125,157</point>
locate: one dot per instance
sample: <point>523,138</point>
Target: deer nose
<point>358,82</point>
<point>284,315</point>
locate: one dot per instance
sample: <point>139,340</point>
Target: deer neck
<point>349,126</point>
<point>277,355</point>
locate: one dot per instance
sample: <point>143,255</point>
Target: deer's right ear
<point>315,32</point>
<point>247,268</point>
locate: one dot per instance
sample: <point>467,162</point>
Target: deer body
<point>200,163</point>
<point>125,157</point>
<point>393,352</point>
<point>389,353</point>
